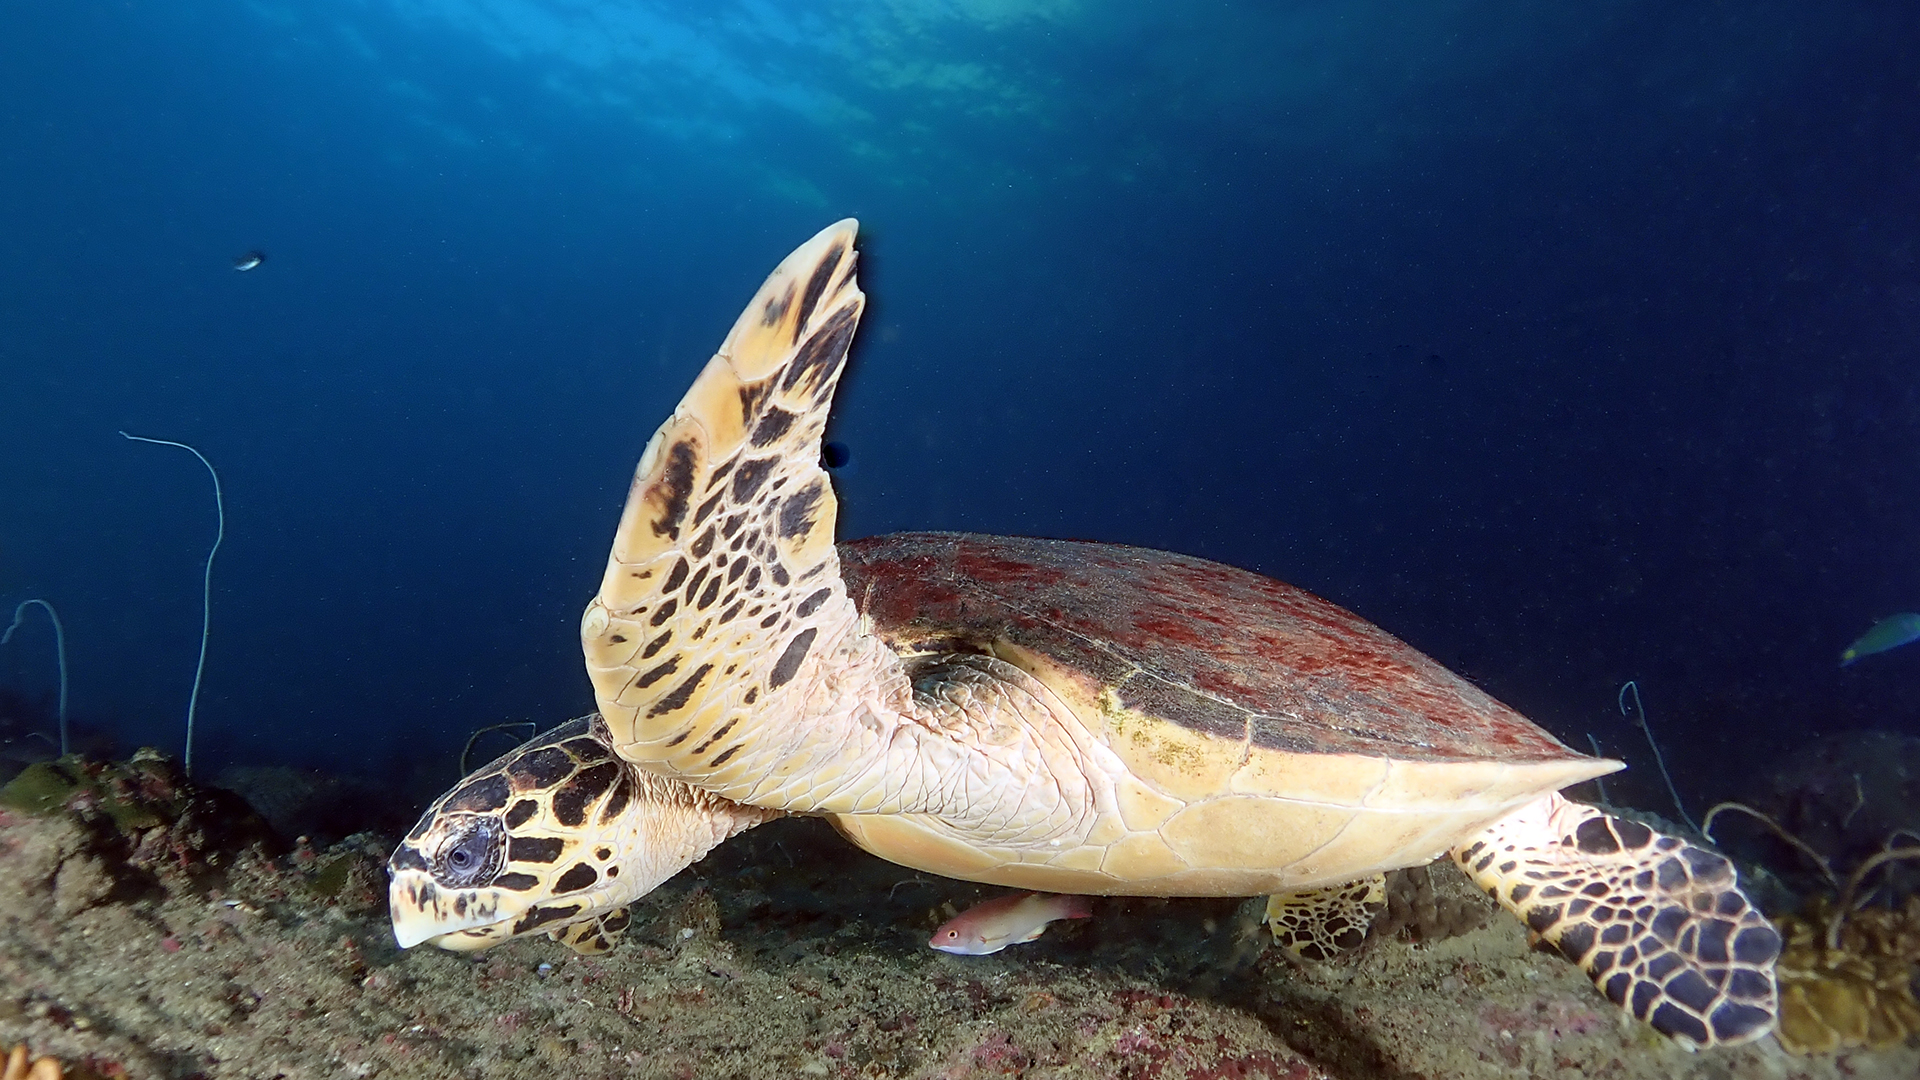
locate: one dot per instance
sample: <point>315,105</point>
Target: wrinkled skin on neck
<point>557,836</point>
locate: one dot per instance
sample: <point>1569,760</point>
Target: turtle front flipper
<point>723,647</point>
<point>594,936</point>
<point>722,591</point>
<point>1659,924</point>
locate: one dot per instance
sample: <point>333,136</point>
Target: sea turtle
<point>1067,717</point>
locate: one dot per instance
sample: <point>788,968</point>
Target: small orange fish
<point>1008,920</point>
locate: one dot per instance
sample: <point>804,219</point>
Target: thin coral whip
<point>206,596</point>
<point>59,644</point>
<point>1639,718</point>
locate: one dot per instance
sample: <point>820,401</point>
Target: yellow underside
<point>1276,823</point>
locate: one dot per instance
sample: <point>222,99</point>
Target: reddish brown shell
<point>1209,647</point>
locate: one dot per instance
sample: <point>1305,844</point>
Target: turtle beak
<point>462,920</point>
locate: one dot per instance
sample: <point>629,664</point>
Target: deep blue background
<point>1573,343</point>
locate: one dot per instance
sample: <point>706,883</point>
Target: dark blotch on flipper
<point>693,587</point>
<point>654,675</point>
<point>817,284</point>
<point>796,514</point>
<point>717,735</point>
<point>586,750</point>
<point>1576,942</point>
<point>1595,838</point>
<point>708,507</point>
<point>540,916</point>
<point>1691,989</point>
<point>1757,945</point>
<point>676,484</point>
<point>812,603</point>
<point>822,352</point>
<point>1749,984</point>
<point>789,662</point>
<point>681,694</point>
<point>771,426</point>
<point>749,477</point>
<point>1671,1019</point>
<point>1632,834</point>
<point>1734,1021</point>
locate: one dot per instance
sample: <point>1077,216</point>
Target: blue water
<point>1572,343</point>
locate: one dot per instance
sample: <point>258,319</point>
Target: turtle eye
<point>471,854</point>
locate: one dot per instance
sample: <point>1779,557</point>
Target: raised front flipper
<point>1660,925</point>
<point>722,597</point>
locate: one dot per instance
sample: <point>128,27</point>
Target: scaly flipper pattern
<point>1319,924</point>
<point>1660,925</point>
<point>722,596</point>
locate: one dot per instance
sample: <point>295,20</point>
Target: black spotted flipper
<point>1659,924</point>
<point>1319,924</point>
<point>594,936</point>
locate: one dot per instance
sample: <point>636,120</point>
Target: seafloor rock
<point>786,954</point>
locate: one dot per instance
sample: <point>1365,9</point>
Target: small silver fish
<point>249,261</point>
<point>1889,633</point>
<point>1009,920</point>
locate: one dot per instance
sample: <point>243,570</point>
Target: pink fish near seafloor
<point>1009,920</point>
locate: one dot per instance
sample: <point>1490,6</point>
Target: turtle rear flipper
<point>1659,924</point>
<point>1320,924</point>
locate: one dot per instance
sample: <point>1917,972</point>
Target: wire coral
<point>19,1068</point>
<point>206,590</point>
<point>60,645</point>
<point>1855,992</point>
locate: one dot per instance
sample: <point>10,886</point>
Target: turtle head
<point>559,836</point>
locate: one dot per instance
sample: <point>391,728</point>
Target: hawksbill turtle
<point>1042,714</point>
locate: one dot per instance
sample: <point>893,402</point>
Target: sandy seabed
<point>786,954</point>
